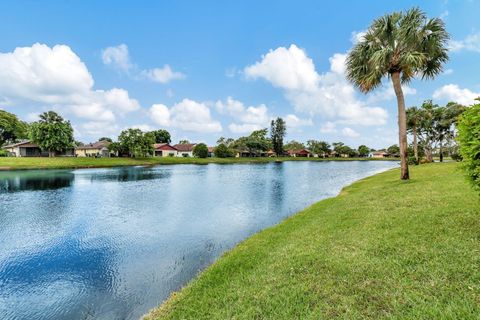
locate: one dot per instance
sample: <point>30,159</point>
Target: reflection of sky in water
<point>113,243</point>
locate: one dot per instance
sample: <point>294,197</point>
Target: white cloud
<point>98,129</point>
<point>388,93</point>
<point>453,92</point>
<point>328,127</point>
<point>357,36</point>
<point>143,127</point>
<point>294,122</point>
<point>470,43</point>
<point>162,75</point>
<point>187,115</point>
<point>117,57</point>
<point>328,94</point>
<point>350,133</point>
<point>250,118</point>
<point>57,77</point>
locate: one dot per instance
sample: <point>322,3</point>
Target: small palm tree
<point>400,45</point>
<point>414,117</point>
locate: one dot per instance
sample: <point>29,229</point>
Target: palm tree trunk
<point>415,142</point>
<point>402,125</point>
<point>441,150</point>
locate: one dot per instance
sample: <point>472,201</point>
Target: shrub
<point>200,150</point>
<point>4,153</point>
<point>222,151</point>
<point>468,138</point>
<point>412,160</point>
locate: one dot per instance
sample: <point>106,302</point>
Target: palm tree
<point>414,116</point>
<point>400,45</point>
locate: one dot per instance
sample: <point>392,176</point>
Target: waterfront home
<point>378,154</point>
<point>97,149</point>
<point>211,151</point>
<point>185,150</point>
<point>164,150</point>
<point>27,148</point>
<point>303,153</point>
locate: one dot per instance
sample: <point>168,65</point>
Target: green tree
<point>468,137</point>
<point>319,147</point>
<point>222,151</point>
<point>294,145</point>
<point>226,141</point>
<point>162,136</point>
<point>257,142</point>
<point>363,150</point>
<point>52,133</point>
<point>400,46</point>
<point>184,141</point>
<point>278,130</point>
<point>135,143</point>
<point>414,117</point>
<point>393,149</point>
<point>11,128</point>
<point>105,139</point>
<point>200,150</point>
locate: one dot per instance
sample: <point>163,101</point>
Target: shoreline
<point>340,257</point>
<point>13,164</point>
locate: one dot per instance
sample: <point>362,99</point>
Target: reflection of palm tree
<point>400,46</point>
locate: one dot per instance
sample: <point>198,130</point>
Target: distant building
<point>97,149</point>
<point>185,150</point>
<point>303,153</point>
<point>165,150</point>
<point>27,148</point>
<point>211,151</point>
<point>378,154</point>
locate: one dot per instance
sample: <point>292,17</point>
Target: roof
<point>163,146</point>
<point>187,147</point>
<point>24,143</point>
<point>380,152</point>
<point>96,145</point>
<point>211,149</point>
<point>298,151</point>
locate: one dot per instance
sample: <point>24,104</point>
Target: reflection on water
<point>113,243</point>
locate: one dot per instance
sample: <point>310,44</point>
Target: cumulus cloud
<point>327,94</point>
<point>328,127</point>
<point>56,76</point>
<point>118,58</point>
<point>162,75</point>
<point>350,133</point>
<point>248,118</point>
<point>453,92</point>
<point>294,122</point>
<point>187,115</point>
<point>470,43</point>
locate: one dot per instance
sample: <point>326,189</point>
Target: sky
<point>207,69</point>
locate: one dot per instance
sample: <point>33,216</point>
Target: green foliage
<point>255,143</point>
<point>135,143</point>
<point>184,141</point>
<point>363,150</point>
<point>52,133</point>
<point>11,128</point>
<point>200,150</point>
<point>4,153</point>
<point>222,151</point>
<point>341,149</point>
<point>294,145</point>
<point>278,130</point>
<point>322,148</point>
<point>105,139</point>
<point>469,139</point>
<point>393,149</point>
<point>405,42</point>
<point>161,136</point>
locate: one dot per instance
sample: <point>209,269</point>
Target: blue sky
<point>205,69</point>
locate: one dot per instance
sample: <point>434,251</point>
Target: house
<point>185,150</point>
<point>27,148</point>
<point>271,153</point>
<point>211,151</point>
<point>379,154</point>
<point>97,149</point>
<point>165,150</point>
<point>304,153</point>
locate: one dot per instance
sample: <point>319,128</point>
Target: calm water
<point>113,243</point>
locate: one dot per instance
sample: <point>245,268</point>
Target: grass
<point>383,248</point>
<point>11,163</point>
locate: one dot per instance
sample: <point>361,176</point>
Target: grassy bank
<point>382,249</point>
<point>57,163</point>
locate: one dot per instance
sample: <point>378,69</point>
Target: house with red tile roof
<point>185,149</point>
<point>165,150</point>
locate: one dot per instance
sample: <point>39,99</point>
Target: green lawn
<point>382,249</point>
<point>11,163</point>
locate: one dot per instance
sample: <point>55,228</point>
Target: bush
<point>200,150</point>
<point>222,151</point>
<point>4,153</point>
<point>412,161</point>
<point>468,138</point>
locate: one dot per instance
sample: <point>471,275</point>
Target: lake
<point>114,243</point>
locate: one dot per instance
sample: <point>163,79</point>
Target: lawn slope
<point>382,249</point>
